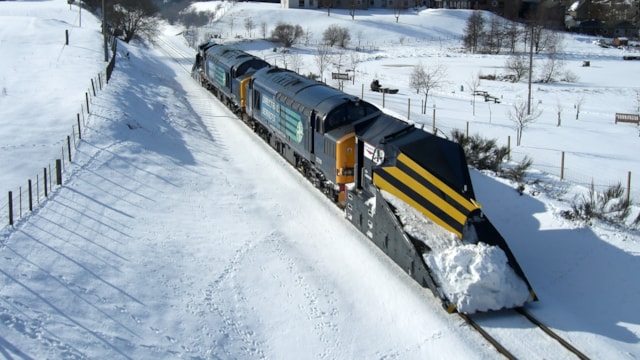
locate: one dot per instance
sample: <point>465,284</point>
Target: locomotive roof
<point>311,93</point>
<point>230,56</point>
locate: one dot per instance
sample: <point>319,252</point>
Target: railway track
<point>500,334</point>
<point>537,346</point>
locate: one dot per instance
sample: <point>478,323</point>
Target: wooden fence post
<point>66,37</point>
<point>69,146</point>
<point>79,131</point>
<point>10,208</point>
<point>434,120</point>
<point>509,147</point>
<point>45,183</point>
<point>30,196</point>
<point>562,167</point>
<point>58,172</point>
<point>628,186</point>
<point>93,87</point>
<point>409,109</point>
<point>383,95</point>
<point>86,96</point>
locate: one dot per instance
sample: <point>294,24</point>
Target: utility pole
<point>104,31</point>
<point>530,70</point>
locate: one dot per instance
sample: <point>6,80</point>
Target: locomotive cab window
<point>348,113</point>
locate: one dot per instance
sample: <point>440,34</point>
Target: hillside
<point>179,234</point>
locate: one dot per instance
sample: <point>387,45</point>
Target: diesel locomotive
<point>359,157</point>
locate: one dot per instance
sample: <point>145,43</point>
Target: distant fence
<point>566,166</point>
<point>27,197</point>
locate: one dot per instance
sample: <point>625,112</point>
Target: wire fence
<point>25,198</point>
<point>569,166</point>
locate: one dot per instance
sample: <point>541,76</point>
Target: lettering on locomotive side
<point>268,110</point>
<point>269,102</point>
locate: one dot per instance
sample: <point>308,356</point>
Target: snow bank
<point>475,277</point>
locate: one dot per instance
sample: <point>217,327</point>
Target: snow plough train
<point>406,190</point>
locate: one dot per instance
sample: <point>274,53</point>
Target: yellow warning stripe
<point>468,204</point>
<point>385,185</point>
<point>427,194</point>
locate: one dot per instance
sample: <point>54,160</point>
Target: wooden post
<point>79,130</point>
<point>30,196</point>
<point>362,92</point>
<point>409,109</point>
<point>628,186</point>
<point>562,167</point>
<point>467,129</point>
<point>86,96</point>
<point>434,120</point>
<point>69,146</point>
<point>66,37</point>
<point>383,96</point>
<point>93,86</point>
<point>100,81</point>
<point>509,147</point>
<point>45,183</point>
<point>10,208</point>
<point>58,172</point>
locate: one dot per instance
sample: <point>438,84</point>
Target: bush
<point>336,35</point>
<point>286,34</point>
<point>517,172</point>
<point>608,206</point>
<point>483,154</point>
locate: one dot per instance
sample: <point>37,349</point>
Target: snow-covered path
<point>179,234</point>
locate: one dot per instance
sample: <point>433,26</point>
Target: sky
<point>179,234</point>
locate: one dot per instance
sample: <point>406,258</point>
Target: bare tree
<point>519,115</point>
<point>336,35</point>
<point>517,66</point>
<point>232,21</point>
<point>427,79</point>
<point>249,25</point>
<point>397,9</point>
<point>338,58</point>
<point>551,69</point>
<point>552,41</point>
<point>263,29</point>
<point>494,36</point>
<point>473,84</point>
<point>352,9</point>
<point>134,18</point>
<point>296,62</point>
<point>512,33</point>
<point>559,109</point>
<point>578,105</point>
<point>322,58</point>
<point>287,34</point>
<point>473,31</point>
<point>307,36</point>
<point>355,59</point>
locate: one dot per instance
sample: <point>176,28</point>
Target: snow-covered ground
<point>178,234</point>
